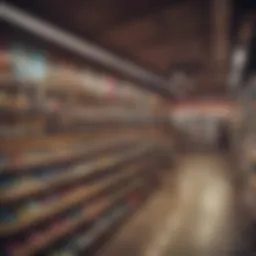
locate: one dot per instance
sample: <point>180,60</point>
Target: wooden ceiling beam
<point>220,38</point>
<point>146,33</point>
<point>134,10</point>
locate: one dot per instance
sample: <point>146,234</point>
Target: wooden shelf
<point>63,87</point>
<point>72,199</point>
<point>17,111</point>
<point>63,155</point>
<point>69,226</point>
<point>30,188</point>
<point>84,245</point>
<point>9,80</point>
<point>104,155</point>
<point>34,187</point>
<point>64,138</point>
<point>78,90</point>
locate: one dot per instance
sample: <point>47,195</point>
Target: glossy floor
<point>195,213</point>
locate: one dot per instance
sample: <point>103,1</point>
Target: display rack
<point>244,138</point>
<point>80,150</point>
<point>62,197</point>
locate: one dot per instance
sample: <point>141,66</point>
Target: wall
<point>199,120</point>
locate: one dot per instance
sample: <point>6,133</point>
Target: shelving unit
<point>80,151</point>
<point>95,185</point>
<point>243,130</point>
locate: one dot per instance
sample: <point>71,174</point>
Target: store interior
<point>156,100</point>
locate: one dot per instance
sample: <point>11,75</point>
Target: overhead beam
<point>220,21</point>
<point>49,32</point>
<point>132,14</point>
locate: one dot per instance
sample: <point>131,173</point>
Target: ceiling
<point>159,35</point>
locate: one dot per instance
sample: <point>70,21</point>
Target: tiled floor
<point>195,213</point>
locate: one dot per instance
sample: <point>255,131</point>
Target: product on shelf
<point>76,145</point>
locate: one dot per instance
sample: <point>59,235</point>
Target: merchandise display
<point>78,153</point>
<point>127,128</point>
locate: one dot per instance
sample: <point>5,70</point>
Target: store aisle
<point>193,214</point>
<point>204,222</point>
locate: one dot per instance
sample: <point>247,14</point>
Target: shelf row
<point>89,241</point>
<point>66,138</point>
<point>23,125</point>
<point>37,213</point>
<point>16,104</point>
<point>34,67</point>
<point>17,160</point>
<point>79,151</point>
<point>35,113</point>
<point>91,210</point>
<point>31,128</point>
<point>55,177</point>
<point>67,225</point>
